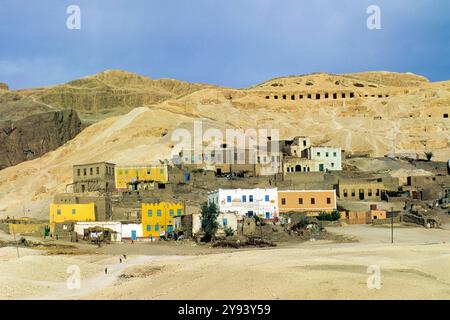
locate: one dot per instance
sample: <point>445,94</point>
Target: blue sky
<point>234,43</point>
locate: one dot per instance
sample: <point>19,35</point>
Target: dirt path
<point>97,282</point>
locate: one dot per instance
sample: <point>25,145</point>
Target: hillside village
<point>297,182</point>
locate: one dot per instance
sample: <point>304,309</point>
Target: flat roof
<point>93,163</point>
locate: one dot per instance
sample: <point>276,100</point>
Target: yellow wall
<point>21,228</point>
<point>125,175</point>
<point>72,212</point>
<point>154,222</point>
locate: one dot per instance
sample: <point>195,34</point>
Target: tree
<point>429,155</point>
<point>323,216</point>
<point>335,215</point>
<point>210,212</point>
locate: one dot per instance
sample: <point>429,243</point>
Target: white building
<point>132,231</point>
<point>247,202</point>
<point>114,226</point>
<point>330,158</point>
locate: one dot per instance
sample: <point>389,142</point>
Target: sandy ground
<point>414,267</point>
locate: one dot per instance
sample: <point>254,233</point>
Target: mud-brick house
<point>98,176</point>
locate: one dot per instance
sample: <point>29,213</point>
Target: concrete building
<point>103,206</point>
<point>296,165</point>
<point>93,177</point>
<point>330,157</point>
<point>157,218</point>
<point>295,146</point>
<point>247,202</point>
<point>307,201</point>
<point>141,177</point>
<point>72,212</point>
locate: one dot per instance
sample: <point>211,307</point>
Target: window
<point>326,154</point>
<point>244,198</point>
<point>149,213</point>
<point>304,143</point>
<point>328,200</point>
<point>378,192</point>
<point>179,212</point>
<point>313,201</point>
<point>283,200</point>
<point>225,221</point>
<point>98,170</point>
<point>149,227</point>
<point>91,171</point>
<point>158,213</point>
<point>318,154</point>
<point>250,198</point>
<point>267,198</point>
<point>74,211</point>
<point>445,115</point>
<point>332,164</point>
<point>78,172</point>
<point>58,212</point>
<point>85,171</point>
<point>345,193</point>
<point>334,154</point>
<point>228,198</point>
<point>300,200</point>
<point>157,227</point>
<point>369,192</point>
<point>171,212</point>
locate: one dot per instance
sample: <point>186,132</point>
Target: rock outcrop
<point>33,136</point>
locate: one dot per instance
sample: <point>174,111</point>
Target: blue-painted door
<point>133,235</point>
<point>169,229</point>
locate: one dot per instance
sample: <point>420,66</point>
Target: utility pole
<point>14,235</point>
<point>392,225</point>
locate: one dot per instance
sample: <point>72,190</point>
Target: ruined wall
<point>33,136</point>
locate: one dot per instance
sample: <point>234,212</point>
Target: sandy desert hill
<point>375,112</point>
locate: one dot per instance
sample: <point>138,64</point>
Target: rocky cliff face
<point>33,136</point>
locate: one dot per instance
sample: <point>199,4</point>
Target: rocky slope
<point>33,136</point>
<point>109,93</point>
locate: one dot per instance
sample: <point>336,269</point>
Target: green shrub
<point>229,232</point>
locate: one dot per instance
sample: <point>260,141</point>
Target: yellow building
<point>140,177</point>
<point>72,212</point>
<point>158,217</point>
